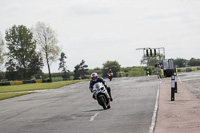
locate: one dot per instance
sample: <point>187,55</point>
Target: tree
<point>113,65</point>
<point>1,50</point>
<point>11,70</point>
<point>22,52</point>
<point>97,70</point>
<point>46,39</point>
<point>63,66</point>
<point>194,62</point>
<point>36,65</point>
<point>179,62</point>
<point>80,71</point>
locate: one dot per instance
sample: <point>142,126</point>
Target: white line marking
<point>180,80</point>
<point>153,122</point>
<point>190,79</point>
<point>95,115</point>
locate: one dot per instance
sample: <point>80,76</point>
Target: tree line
<point>26,50</point>
<point>180,62</point>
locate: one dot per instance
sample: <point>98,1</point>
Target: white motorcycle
<point>101,95</point>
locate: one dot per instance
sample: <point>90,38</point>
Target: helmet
<point>94,76</point>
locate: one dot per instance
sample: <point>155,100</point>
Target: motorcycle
<point>110,76</point>
<point>100,93</point>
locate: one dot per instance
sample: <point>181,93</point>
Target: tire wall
<point>188,69</point>
<point>21,82</point>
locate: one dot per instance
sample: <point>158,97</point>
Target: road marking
<point>190,79</point>
<point>95,115</point>
<point>180,80</point>
<point>153,122</point>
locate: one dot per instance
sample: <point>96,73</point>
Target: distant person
<point>110,71</point>
<point>110,74</point>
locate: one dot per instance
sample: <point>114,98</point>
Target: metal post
<point>175,83</point>
<point>172,88</point>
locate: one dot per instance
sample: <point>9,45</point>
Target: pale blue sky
<point>101,30</point>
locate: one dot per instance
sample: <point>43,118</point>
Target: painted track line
<point>153,122</point>
<point>95,115</point>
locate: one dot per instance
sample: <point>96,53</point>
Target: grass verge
<point>36,86</point>
<point>7,91</point>
<point>11,95</point>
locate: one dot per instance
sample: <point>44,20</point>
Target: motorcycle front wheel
<point>102,101</point>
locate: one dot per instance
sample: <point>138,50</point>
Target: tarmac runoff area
<point>179,116</point>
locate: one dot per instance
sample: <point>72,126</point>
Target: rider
<point>95,79</point>
<point>110,71</point>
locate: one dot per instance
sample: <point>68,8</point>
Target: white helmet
<point>94,76</point>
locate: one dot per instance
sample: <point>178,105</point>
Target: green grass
<point>16,90</point>
<point>136,72</point>
<point>36,86</point>
<point>57,79</point>
<point>10,91</point>
<point>11,95</point>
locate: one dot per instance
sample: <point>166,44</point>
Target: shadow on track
<point>95,110</point>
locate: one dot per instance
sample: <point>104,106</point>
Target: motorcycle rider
<point>95,79</point>
<point>110,71</point>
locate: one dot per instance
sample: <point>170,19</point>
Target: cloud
<point>81,10</point>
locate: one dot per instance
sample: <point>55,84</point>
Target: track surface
<point>71,109</point>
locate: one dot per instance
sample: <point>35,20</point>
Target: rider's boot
<point>109,92</point>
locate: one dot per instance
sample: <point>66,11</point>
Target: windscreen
<point>97,85</point>
<point>165,64</point>
<point>171,64</point>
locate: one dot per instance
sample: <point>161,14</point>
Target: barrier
<point>38,80</point>
<point>188,69</point>
<point>194,68</point>
<point>22,82</point>
<point>16,82</point>
<point>29,81</point>
<point>183,69</point>
<point>6,83</point>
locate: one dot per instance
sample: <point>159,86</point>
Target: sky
<point>98,31</point>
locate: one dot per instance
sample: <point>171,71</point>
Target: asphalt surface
<point>192,82</point>
<point>71,109</point>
